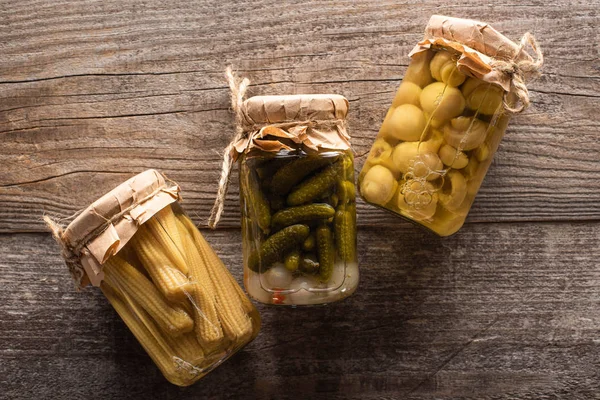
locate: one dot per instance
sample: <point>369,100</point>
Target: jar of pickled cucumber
<point>297,200</point>
<point>161,276</point>
<point>445,123</point>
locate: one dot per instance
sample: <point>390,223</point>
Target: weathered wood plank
<point>498,311</point>
<point>91,92</point>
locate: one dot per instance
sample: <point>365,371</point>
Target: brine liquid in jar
<point>435,144</point>
<point>299,226</point>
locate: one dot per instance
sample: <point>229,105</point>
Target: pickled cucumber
<point>257,204</point>
<point>313,187</point>
<point>348,162</point>
<point>295,171</point>
<point>334,200</point>
<point>292,260</point>
<point>346,192</point>
<point>294,215</point>
<point>345,232</point>
<point>309,243</point>
<point>276,246</point>
<point>326,252</point>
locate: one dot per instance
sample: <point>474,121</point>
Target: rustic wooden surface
<point>93,91</point>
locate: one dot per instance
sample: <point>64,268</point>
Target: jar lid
<point>103,228</point>
<point>298,107</point>
<point>476,35</point>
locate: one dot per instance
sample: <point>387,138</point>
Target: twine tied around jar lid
<point>271,123</point>
<point>487,55</point>
<point>102,229</point>
<point>519,70</point>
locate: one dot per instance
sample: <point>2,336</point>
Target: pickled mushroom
<point>408,93</point>
<point>418,70</point>
<point>378,185</point>
<point>454,190</point>
<point>418,200</point>
<point>471,169</point>
<point>427,165</point>
<point>483,97</point>
<point>452,157</point>
<point>443,69</point>
<point>380,146</point>
<point>385,159</point>
<point>441,101</point>
<point>465,133</point>
<point>407,123</point>
<point>404,153</point>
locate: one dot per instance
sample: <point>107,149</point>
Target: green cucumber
<point>256,202</point>
<point>346,192</point>
<point>276,246</point>
<point>314,187</point>
<point>292,260</point>
<point>326,252</point>
<point>295,171</point>
<point>309,243</point>
<point>293,215</point>
<point>345,232</point>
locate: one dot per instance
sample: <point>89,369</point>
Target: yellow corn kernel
<point>234,319</point>
<point>165,241</point>
<point>167,220</point>
<point>120,274</point>
<point>168,279</point>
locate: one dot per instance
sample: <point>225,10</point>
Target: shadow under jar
<point>163,279</point>
<point>443,128</point>
<point>298,201</point>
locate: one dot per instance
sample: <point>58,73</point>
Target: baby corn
<point>168,279</point>
<point>168,222</point>
<point>120,274</point>
<point>165,239</point>
<point>208,327</point>
<point>235,321</point>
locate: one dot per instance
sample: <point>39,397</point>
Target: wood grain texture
<point>432,318</point>
<point>93,91</point>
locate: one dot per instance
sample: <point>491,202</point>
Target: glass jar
<point>298,208</point>
<point>161,276</point>
<point>440,134</point>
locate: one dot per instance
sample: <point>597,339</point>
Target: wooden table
<point>94,91</point>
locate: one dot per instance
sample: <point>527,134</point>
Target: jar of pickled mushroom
<point>297,199</point>
<point>163,279</point>
<point>464,82</point>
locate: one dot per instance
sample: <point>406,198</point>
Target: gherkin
<point>277,246</point>
<point>345,232</point>
<point>295,171</point>
<point>256,202</point>
<point>313,187</point>
<point>292,260</point>
<point>326,252</point>
<point>306,213</point>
